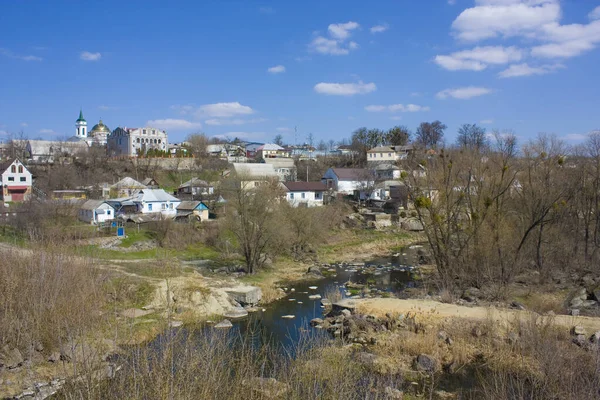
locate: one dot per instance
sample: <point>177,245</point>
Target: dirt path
<point>437,310</point>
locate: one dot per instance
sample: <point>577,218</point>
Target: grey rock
<point>326,302</point>
<point>54,357</point>
<point>596,293</point>
<point>574,312</point>
<point>315,271</point>
<point>346,313</point>
<point>589,303</point>
<point>425,363</point>
<point>595,338</point>
<point>576,302</point>
<point>518,306</point>
<point>316,321</point>
<point>579,340</point>
<point>225,324</point>
<point>442,335</point>
<point>237,312</point>
<point>245,295</point>
<point>11,358</point>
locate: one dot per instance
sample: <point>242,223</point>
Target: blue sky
<point>256,69</point>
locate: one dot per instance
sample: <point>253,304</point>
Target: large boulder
<point>425,363</point>
<point>315,272</point>
<point>237,312</point>
<point>225,324</point>
<point>11,358</point>
<point>245,295</point>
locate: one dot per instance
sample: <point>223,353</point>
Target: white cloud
<point>336,43</point>
<point>575,137</point>
<point>87,56</point>
<point>563,50</point>
<point>397,108</point>
<point>489,19</point>
<point>46,131</point>
<point>10,54</point>
<point>486,121</point>
<point>333,47</point>
<point>223,110</point>
<point>173,124</point>
<point>278,69</point>
<point>594,14</point>
<point>479,58</point>
<point>517,70</point>
<point>463,93</point>
<point>342,31</point>
<point>345,89</point>
<point>236,121</point>
<point>379,28</point>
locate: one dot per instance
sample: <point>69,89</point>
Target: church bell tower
<point>81,126</point>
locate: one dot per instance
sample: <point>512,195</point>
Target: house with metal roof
<point>195,187</point>
<point>151,201</point>
<point>350,181</point>
<point>305,194</point>
<point>96,212</point>
<point>126,187</point>
<point>254,174</point>
<point>193,209</point>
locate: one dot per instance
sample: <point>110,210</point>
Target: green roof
<point>81,119</point>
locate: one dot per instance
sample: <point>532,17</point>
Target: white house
<point>349,180</point>
<point>306,194</point>
<point>151,201</point>
<point>126,187</point>
<point>284,167</point>
<point>388,153</point>
<point>16,181</point>
<point>135,141</point>
<point>96,211</point>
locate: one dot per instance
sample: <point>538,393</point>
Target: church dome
<point>100,128</point>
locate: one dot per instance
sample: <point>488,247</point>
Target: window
<point>23,179</point>
<point>107,212</point>
<point>138,140</point>
<point>20,169</point>
<point>149,207</point>
<point>171,206</point>
<point>163,206</point>
<point>13,169</point>
<point>158,141</point>
<point>389,154</point>
<point>303,195</point>
<point>153,132</point>
<point>143,131</point>
<point>318,195</point>
<point>292,196</point>
<point>11,178</point>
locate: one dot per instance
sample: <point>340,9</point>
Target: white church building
<point>132,142</point>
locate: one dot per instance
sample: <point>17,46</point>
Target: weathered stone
<point>314,297</point>
<point>581,293</point>
<point>576,302</point>
<point>595,338</point>
<point>316,321</point>
<point>315,271</point>
<point>578,330</point>
<point>574,312</point>
<point>596,293</point>
<point>393,393</point>
<point>237,312</point>
<point>589,303</point>
<point>346,313</point>
<point>289,316</point>
<point>449,341</point>
<point>11,358</point>
<point>517,306</point>
<point>579,340</point>
<point>54,357</point>
<point>225,324</point>
<point>425,363</point>
<point>442,335</point>
<point>345,304</point>
<point>245,295</point>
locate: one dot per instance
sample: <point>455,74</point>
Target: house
<point>284,167</point>
<point>346,150</point>
<point>271,150</point>
<point>126,187</point>
<point>96,212</point>
<point>49,151</point>
<point>252,149</point>
<point>387,170</point>
<point>305,194</point>
<point>193,209</point>
<point>16,181</point>
<point>195,187</point>
<point>350,181</point>
<point>150,183</point>
<point>253,175</point>
<point>151,201</point>
<point>388,154</point>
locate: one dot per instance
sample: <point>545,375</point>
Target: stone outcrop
<point>245,295</point>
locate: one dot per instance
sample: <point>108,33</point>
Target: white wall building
<point>16,181</point>
<point>151,201</point>
<point>308,194</point>
<point>134,141</point>
<point>349,180</point>
<point>96,211</point>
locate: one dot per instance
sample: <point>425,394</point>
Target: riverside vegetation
<point>502,226</point>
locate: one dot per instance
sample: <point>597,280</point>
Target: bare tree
<point>278,140</point>
<point>471,136</point>
<point>430,134</point>
<point>397,136</point>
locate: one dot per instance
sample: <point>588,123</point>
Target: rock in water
<point>316,321</point>
<point>237,312</point>
<point>312,287</point>
<point>245,295</point>
<point>225,324</point>
<point>314,296</point>
<point>288,316</point>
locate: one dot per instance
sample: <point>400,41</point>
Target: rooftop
<point>305,186</point>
